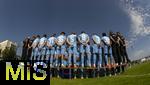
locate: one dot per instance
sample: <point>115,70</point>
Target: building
<point>143,59</point>
<point>6,44</point>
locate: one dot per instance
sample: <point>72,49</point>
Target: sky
<point>22,18</point>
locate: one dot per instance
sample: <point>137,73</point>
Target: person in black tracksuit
<point>123,52</point>
<point>25,49</point>
<point>127,60</point>
<point>113,40</point>
<point>116,52</point>
<point>30,47</point>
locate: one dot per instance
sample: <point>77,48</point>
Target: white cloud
<point>139,14</point>
<point>137,25</point>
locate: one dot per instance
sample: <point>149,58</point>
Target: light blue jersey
<point>96,39</point>
<point>61,40</point>
<point>72,40</point>
<point>106,40</point>
<point>35,43</point>
<point>72,49</point>
<point>107,49</point>
<point>42,43</point>
<point>51,41</point>
<point>35,50</point>
<point>83,38</point>
<point>51,45</point>
<point>42,46</point>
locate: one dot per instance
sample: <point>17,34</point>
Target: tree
<point>9,53</point>
<point>0,52</point>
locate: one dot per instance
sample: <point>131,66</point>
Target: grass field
<point>136,75</point>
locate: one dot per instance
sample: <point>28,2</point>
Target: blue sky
<point>21,18</point>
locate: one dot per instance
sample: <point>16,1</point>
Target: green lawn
<point>136,75</point>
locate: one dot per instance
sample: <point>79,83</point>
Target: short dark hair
<point>44,35</point>
<point>118,33</point>
<point>33,36</point>
<point>104,34</point>
<point>82,32</point>
<point>111,33</point>
<point>63,33</point>
<point>38,36</point>
<point>94,34</point>
<point>54,34</point>
<point>73,33</point>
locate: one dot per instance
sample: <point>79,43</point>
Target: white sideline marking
<point>148,74</point>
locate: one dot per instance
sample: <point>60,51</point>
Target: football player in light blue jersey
<point>88,54</point>
<point>61,44</point>
<point>51,49</point>
<point>43,48</point>
<point>107,49</point>
<point>83,39</point>
<point>72,48</point>
<point>100,61</point>
<point>35,49</point>
<point>57,55</point>
<point>96,41</point>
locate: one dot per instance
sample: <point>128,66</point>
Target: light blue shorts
<point>82,49</point>
<point>88,49</point>
<point>75,51</point>
<point>100,50</point>
<point>63,49</point>
<point>50,51</point>
<point>70,50</point>
<point>57,51</point>
<point>35,52</point>
<point>107,50</point>
<point>43,50</point>
<point>95,48</point>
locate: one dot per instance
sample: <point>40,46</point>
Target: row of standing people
<point>72,50</point>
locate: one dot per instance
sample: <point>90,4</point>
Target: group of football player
<point>73,51</point>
